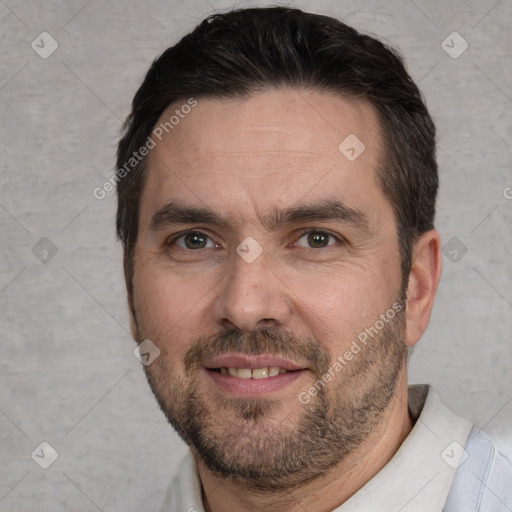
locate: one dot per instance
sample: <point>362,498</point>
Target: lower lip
<point>253,387</point>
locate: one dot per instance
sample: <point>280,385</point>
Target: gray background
<point>68,375</point>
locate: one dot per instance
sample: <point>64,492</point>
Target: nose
<point>251,296</point>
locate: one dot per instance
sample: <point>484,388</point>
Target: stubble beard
<point>249,441</point>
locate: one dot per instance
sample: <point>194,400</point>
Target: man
<point>277,187</point>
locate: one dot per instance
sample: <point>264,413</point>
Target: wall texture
<point>68,376</point>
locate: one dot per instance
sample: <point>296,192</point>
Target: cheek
<point>342,305</point>
<point>168,307</point>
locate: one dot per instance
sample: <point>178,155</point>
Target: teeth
<point>273,371</point>
<point>256,373</point>
<point>244,373</point>
<point>260,373</point>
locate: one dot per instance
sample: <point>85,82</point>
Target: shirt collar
<point>416,479</point>
<point>419,476</point>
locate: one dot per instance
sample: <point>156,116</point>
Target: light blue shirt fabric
<point>483,482</point>
<point>444,465</point>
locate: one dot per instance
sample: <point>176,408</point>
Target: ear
<point>128,280</point>
<point>133,317</point>
<point>424,278</point>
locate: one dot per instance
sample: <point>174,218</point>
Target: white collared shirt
<point>444,465</point>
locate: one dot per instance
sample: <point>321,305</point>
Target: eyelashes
<point>195,240</point>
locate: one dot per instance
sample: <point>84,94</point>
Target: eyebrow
<point>173,213</point>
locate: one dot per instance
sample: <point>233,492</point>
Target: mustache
<point>270,341</point>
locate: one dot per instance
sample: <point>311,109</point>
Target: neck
<point>332,489</point>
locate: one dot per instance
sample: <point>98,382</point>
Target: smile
<point>252,373</point>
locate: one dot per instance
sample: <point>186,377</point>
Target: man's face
<point>288,252</point>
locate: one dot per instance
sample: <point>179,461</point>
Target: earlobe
<point>424,278</point>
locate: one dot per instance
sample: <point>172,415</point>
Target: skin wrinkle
<point>340,438</point>
<point>200,174</point>
<point>295,301</point>
<point>262,114</point>
<point>326,211</point>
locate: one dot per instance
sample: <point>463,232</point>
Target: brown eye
<point>193,240</point>
<point>316,240</point>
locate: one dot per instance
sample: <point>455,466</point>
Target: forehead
<point>266,150</point>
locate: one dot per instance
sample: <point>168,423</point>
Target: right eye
<point>192,240</point>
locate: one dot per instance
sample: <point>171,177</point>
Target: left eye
<point>316,239</point>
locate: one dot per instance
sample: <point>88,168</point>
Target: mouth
<point>247,376</point>
<point>251,373</point>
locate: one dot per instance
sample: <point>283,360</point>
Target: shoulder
<point>483,482</point>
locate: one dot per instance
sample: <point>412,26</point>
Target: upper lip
<point>249,361</point>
